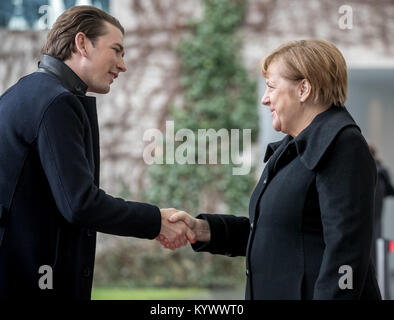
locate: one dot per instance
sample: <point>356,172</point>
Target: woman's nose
<point>265,100</point>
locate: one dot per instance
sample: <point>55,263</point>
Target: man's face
<point>104,60</point>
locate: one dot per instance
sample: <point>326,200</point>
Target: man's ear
<point>304,90</point>
<point>81,43</point>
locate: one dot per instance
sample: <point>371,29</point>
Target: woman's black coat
<point>309,232</point>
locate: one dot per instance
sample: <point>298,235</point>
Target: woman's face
<point>281,96</point>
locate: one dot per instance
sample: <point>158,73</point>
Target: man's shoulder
<point>37,85</point>
<point>40,89</point>
<point>33,95</point>
<point>40,81</point>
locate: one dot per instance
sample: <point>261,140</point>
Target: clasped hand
<point>178,228</point>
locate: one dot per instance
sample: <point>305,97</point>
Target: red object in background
<point>391,246</point>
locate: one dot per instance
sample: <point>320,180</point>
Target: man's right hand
<point>174,234</point>
<point>198,229</point>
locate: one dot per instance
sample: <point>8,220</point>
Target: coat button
<point>247,272</point>
<point>89,233</point>
<point>86,272</point>
<point>265,181</point>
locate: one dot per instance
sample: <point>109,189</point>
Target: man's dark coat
<point>310,217</point>
<point>50,202</point>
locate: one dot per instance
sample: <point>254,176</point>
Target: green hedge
<point>141,263</point>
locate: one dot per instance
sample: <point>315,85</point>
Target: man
<point>50,202</point>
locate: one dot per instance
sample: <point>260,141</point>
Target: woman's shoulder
<point>349,137</point>
<point>349,147</point>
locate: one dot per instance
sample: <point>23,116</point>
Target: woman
<point>309,232</point>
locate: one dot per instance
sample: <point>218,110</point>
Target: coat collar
<point>273,146</point>
<point>314,140</point>
<point>64,73</point>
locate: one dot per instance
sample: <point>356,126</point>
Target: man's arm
<point>62,151</point>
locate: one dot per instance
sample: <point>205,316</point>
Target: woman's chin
<point>276,126</point>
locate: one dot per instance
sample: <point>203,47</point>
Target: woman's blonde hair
<point>318,61</point>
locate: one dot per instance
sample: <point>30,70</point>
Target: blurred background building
<point>142,98</point>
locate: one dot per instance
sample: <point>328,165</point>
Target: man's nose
<point>121,65</point>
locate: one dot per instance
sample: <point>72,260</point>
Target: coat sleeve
<point>62,152</point>
<point>229,235</point>
<point>345,181</point>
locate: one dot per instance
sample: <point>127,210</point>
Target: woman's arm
<point>199,227</point>
<point>217,233</point>
<point>345,182</point>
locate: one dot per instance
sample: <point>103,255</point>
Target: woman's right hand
<point>199,227</point>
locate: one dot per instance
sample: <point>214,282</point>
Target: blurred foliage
<point>217,94</point>
<point>141,263</point>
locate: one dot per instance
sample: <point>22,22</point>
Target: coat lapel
<point>272,154</point>
<point>314,140</point>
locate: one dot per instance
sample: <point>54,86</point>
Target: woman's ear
<point>81,43</point>
<point>304,90</point>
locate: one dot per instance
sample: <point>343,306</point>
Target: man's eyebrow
<point>120,46</point>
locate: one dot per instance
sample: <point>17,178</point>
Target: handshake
<point>178,228</point>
